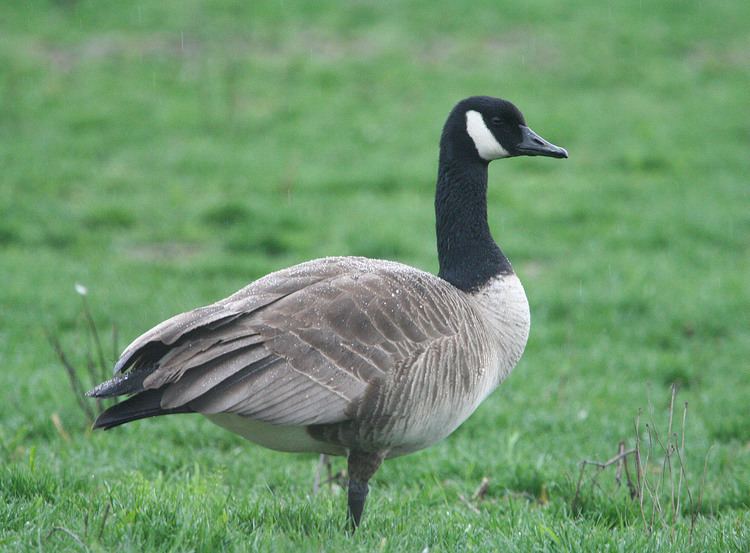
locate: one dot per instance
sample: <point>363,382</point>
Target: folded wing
<point>298,347</point>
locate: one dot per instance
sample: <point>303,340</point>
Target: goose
<point>363,358</point>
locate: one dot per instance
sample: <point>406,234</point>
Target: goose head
<point>486,128</point>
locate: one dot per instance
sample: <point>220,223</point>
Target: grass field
<point>164,154</point>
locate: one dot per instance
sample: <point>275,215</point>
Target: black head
<point>489,128</point>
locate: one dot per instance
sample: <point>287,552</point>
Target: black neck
<point>468,255</point>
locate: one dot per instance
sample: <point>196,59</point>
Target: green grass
<point>164,154</point>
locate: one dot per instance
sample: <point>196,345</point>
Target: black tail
<point>128,383</point>
<point>140,406</point>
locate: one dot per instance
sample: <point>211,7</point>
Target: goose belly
<point>294,439</point>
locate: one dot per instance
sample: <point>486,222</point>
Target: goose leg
<point>362,466</point>
<point>323,461</point>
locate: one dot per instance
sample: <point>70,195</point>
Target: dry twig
<point>481,490</point>
<point>662,496</point>
<point>95,365</point>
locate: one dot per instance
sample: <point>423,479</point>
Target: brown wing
<point>297,347</point>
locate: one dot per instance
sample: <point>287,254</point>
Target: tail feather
<point>127,383</point>
<point>140,406</point>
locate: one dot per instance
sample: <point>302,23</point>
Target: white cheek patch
<point>487,145</point>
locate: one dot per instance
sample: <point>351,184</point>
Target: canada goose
<point>351,356</point>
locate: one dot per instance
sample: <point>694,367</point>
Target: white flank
<point>487,145</point>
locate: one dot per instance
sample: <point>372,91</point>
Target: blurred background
<point>164,154</point>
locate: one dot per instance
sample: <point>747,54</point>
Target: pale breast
<point>497,343</point>
<point>466,370</point>
<point>505,310</point>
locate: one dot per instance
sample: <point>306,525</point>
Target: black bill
<point>534,145</point>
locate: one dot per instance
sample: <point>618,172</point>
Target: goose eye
<point>496,121</point>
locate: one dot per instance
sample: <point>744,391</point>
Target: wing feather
<point>298,347</point>
<point>212,374</point>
